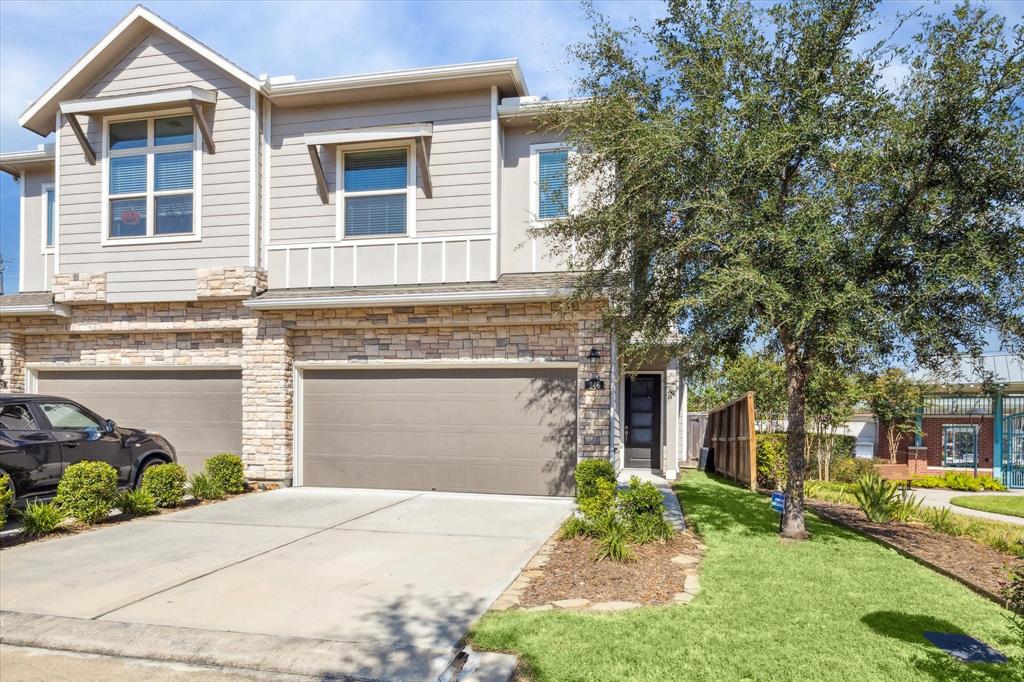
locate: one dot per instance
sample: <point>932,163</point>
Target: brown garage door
<point>469,430</point>
<point>198,411</point>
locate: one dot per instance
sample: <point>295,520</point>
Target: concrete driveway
<point>377,572</point>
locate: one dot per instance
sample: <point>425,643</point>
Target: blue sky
<point>40,40</point>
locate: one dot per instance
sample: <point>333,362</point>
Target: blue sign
<point>778,501</point>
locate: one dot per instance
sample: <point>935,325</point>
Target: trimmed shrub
<point>612,541</point>
<point>601,503</point>
<point>589,472</point>
<point>876,497</point>
<point>771,460</point>
<point>204,487</point>
<point>41,518</point>
<point>6,498</point>
<point>640,499</point>
<point>227,472</point>
<point>851,469</point>
<point>958,480</point>
<point>166,483</point>
<point>135,503</point>
<point>574,527</point>
<point>87,491</point>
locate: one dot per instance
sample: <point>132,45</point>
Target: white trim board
<point>358,301</point>
<point>153,98</point>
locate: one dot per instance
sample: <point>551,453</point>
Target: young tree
<point>831,398</point>
<point>894,398</point>
<point>751,176</point>
<point>765,376</point>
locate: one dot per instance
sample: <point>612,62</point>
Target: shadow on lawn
<point>910,628</point>
<point>720,505</point>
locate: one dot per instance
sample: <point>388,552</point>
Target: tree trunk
<point>796,435</point>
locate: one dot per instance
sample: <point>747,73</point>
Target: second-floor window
<point>550,186</point>
<point>50,195</point>
<point>376,190</point>
<point>150,177</point>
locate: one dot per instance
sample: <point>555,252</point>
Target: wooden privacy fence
<point>730,434</point>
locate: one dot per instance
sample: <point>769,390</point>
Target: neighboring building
<point>334,277</point>
<point>973,419</point>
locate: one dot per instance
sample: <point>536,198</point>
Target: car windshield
<point>68,416</point>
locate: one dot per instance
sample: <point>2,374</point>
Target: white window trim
<point>150,194</point>
<point>410,189</point>
<point>45,248</point>
<point>535,151</point>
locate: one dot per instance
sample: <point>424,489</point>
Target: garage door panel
<point>501,430</point>
<point>199,412</point>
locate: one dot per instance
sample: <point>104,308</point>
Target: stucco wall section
<point>80,287</point>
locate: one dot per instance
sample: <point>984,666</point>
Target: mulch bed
<point>981,568</point>
<point>74,528</point>
<point>570,573</point>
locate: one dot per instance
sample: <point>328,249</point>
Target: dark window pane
<point>128,217</point>
<point>174,130</point>
<point>172,170</point>
<point>375,215</point>
<point>17,418</point>
<point>174,214</point>
<point>128,135</point>
<point>376,170</point>
<point>51,206</point>
<point>128,174</point>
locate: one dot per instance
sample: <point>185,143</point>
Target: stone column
<point>917,460</point>
<point>12,361</point>
<point>593,405</point>
<point>267,400</point>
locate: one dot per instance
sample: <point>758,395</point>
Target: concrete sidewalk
<point>939,499</point>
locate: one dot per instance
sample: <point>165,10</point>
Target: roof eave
<point>35,310</point>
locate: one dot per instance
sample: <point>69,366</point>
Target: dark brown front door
<point>643,421</point>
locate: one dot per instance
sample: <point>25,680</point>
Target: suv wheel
<point>149,463</point>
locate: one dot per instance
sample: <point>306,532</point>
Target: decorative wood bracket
<point>318,170</point>
<point>422,158</point>
<point>76,128</point>
<point>204,126</point>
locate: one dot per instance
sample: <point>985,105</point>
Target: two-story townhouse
<point>338,278</point>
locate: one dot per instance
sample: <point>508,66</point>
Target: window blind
<point>553,199</point>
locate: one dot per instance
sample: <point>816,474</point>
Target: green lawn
<point>837,607</point>
<point>1012,505</point>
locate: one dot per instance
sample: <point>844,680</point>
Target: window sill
<point>166,239</point>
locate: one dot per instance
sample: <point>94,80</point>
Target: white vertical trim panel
<point>56,202</point>
<point>22,177</point>
<point>253,147</point>
<point>296,426</point>
<point>495,174</point>
<point>266,180</point>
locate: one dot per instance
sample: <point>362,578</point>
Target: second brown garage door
<point>198,411</point>
<point>467,430</point>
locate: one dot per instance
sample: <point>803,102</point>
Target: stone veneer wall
<point>80,287</point>
<point>265,345</point>
<point>234,282</point>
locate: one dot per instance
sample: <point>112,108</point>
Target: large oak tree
<point>774,176</point>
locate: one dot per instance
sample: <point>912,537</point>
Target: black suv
<point>41,435</point>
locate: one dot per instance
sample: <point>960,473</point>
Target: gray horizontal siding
<point>142,271</point>
<point>37,266</point>
<point>459,164</point>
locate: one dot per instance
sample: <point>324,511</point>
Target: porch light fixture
<point>594,354</point>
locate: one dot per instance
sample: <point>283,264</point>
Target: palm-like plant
<point>876,497</point>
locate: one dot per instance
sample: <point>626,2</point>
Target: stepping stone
<point>501,605</point>
<point>537,609</point>
<point>685,560</point>
<point>691,584</point>
<point>572,603</point>
<point>532,573</point>
<point>683,597</point>
<point>701,546</point>
<point>614,606</point>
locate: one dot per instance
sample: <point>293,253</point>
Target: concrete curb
<point>322,659</point>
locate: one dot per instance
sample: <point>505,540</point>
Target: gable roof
<point>40,117</point>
